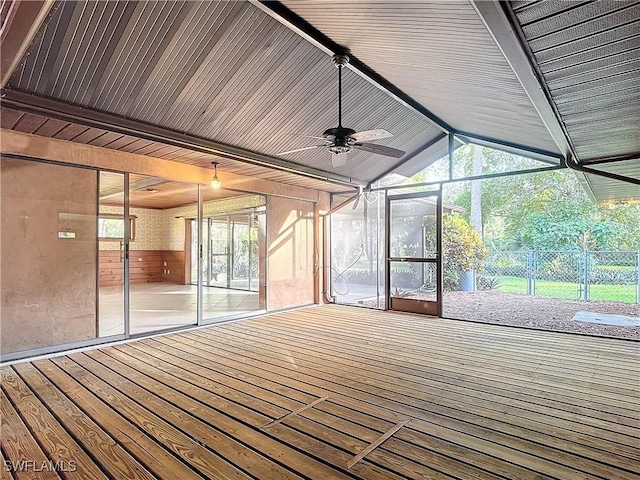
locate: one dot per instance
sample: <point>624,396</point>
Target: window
<point>111,227</point>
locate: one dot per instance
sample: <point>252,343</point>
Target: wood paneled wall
<point>173,267</point>
<point>145,266</point>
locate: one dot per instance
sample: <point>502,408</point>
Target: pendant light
<point>215,181</point>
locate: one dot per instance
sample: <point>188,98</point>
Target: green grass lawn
<point>549,288</point>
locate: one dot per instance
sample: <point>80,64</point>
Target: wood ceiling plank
<point>71,131</point>
<point>9,117</point>
<point>29,123</point>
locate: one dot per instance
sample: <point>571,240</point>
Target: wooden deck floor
<point>455,399</point>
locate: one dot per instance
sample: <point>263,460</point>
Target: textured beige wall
<point>290,250</point>
<point>48,283</point>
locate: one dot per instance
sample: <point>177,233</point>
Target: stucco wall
<point>48,283</point>
<point>290,253</point>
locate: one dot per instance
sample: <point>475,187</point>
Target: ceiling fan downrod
<point>340,61</point>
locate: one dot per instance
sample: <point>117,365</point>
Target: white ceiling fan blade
<point>369,135</point>
<point>339,159</point>
<point>300,149</point>
<point>380,149</point>
<point>317,138</point>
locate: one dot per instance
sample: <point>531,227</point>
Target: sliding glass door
<point>91,256</point>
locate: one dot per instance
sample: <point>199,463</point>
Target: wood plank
<point>47,431</point>
<point>71,131</point>
<point>489,383</point>
<point>484,401</point>
<point>410,411</point>
<point>9,117</point>
<point>4,471</point>
<point>131,382</point>
<point>254,437</point>
<point>379,441</point>
<point>141,446</point>
<point>442,358</point>
<point>407,394</point>
<point>485,344</point>
<point>295,412</point>
<point>94,439</point>
<point>51,127</point>
<point>441,463</point>
<point>312,348</point>
<point>24,454</point>
<point>346,441</point>
<point>29,123</point>
<point>188,447</point>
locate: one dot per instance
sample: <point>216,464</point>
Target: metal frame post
<point>530,272</point>
<point>451,139</point>
<point>586,274</point>
<point>638,281</point>
<point>534,274</point>
<point>200,260</point>
<point>127,236</point>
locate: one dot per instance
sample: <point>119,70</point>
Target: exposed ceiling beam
<point>24,19</point>
<point>93,118</point>
<point>505,30</point>
<point>28,146</point>
<point>536,154</point>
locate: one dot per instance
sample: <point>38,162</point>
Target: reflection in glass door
<point>413,246</point>
<point>111,254</point>
<point>231,251</point>
<point>161,296</point>
<point>233,264</point>
<point>220,239</point>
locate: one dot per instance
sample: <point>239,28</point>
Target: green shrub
<point>463,248</point>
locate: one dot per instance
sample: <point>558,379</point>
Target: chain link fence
<point>605,276</point>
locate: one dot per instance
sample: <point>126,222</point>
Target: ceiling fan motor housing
<point>340,138</point>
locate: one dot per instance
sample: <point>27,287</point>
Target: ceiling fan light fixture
<point>215,182</point>
<point>340,149</point>
<point>339,159</point>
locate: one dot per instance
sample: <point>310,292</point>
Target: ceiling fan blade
<point>317,138</point>
<point>339,159</point>
<point>300,149</point>
<point>310,136</point>
<point>380,149</point>
<point>369,135</point>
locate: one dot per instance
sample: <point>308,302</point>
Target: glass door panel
<point>413,253</point>
<point>219,252</point>
<point>111,254</point>
<point>161,295</point>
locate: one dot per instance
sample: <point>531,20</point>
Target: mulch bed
<point>538,312</point>
<point>543,313</point>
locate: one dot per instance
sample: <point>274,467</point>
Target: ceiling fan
<point>340,140</point>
